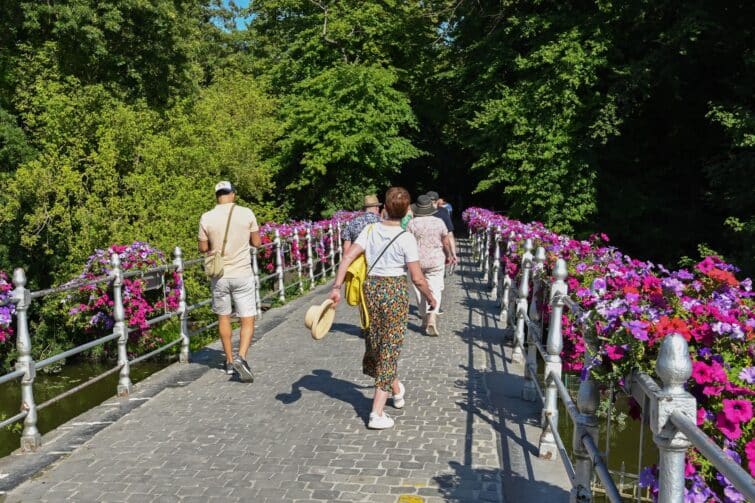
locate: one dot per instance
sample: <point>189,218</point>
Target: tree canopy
<point>632,118</point>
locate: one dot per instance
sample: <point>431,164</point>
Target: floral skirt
<point>388,307</point>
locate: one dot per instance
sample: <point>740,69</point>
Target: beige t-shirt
<point>237,258</point>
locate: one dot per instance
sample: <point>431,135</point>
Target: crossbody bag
<point>214,262</point>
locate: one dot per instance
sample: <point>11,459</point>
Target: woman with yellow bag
<point>389,252</point>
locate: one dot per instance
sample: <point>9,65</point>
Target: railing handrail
<point>678,405</point>
<point>26,367</point>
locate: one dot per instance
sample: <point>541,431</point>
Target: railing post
<point>486,256</point>
<point>587,424</point>
<point>507,286</point>
<point>256,273</point>
<point>332,251</point>
<point>340,242</point>
<point>310,262</point>
<point>30,437</point>
<point>279,267</point>
<point>473,238</point>
<point>119,328</point>
<point>529,389</point>
<point>480,245</point>
<point>521,302</point>
<point>178,261</point>
<point>674,367</point>
<point>496,261</point>
<point>555,343</point>
<point>298,260</point>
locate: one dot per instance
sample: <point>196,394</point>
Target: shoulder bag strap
<point>384,250</point>
<point>227,226</point>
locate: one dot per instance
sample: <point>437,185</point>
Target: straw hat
<point>370,201</point>
<point>319,318</point>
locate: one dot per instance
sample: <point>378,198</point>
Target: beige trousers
<point>435,280</point>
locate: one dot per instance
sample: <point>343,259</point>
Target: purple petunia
<point>748,375</point>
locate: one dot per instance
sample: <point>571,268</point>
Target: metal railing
<point>667,407</point>
<point>289,272</point>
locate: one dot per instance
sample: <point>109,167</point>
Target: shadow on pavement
<point>340,389</point>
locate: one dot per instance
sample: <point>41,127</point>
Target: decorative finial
<point>528,246</point>
<point>674,365</point>
<point>19,277</point>
<point>177,252</point>
<point>540,255</point>
<point>561,272</point>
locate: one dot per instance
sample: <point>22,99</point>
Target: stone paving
<point>298,433</point>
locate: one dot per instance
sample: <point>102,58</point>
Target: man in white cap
<point>231,229</point>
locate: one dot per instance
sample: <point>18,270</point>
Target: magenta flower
<point>701,416</point>
<point>750,453</point>
<point>737,410</point>
<point>729,428</point>
<point>615,352</point>
<point>701,372</point>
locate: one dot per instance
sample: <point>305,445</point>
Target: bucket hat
<point>319,319</point>
<point>423,207</point>
<point>370,201</point>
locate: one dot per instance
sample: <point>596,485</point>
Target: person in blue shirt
<point>371,215</point>
<point>442,203</point>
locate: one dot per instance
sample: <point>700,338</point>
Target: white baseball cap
<point>225,186</point>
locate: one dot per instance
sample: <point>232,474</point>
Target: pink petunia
<point>615,352</point>
<point>750,453</point>
<point>729,428</point>
<point>689,469</point>
<point>737,411</point>
<point>701,414</point>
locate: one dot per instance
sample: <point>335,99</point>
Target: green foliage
<point>631,118</point>
<point>112,172</point>
<point>343,135</point>
<point>148,49</point>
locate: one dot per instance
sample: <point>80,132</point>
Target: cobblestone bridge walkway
<point>298,433</point>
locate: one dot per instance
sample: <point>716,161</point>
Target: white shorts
<point>239,290</point>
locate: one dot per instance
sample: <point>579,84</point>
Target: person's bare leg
<point>224,329</point>
<point>245,335</point>
<point>395,386</point>
<point>378,401</point>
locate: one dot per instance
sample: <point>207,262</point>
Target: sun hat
<point>319,319</point>
<point>370,201</point>
<point>225,187</point>
<point>423,207</point>
<point>434,196</point>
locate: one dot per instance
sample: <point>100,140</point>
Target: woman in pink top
<point>434,253</point>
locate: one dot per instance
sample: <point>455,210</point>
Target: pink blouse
<point>429,232</point>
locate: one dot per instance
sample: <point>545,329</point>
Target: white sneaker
<point>398,398</point>
<point>380,422</point>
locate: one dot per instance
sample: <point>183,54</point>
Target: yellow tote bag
<point>356,275</point>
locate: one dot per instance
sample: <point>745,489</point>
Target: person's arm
<point>419,280</point>
<point>447,251</point>
<point>346,245</point>
<point>203,239</point>
<point>254,239</point>
<point>348,258</point>
<point>452,244</point>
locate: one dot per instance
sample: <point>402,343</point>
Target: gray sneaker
<point>242,367</point>
<point>228,368</point>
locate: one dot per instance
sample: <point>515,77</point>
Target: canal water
<point>47,386</point>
